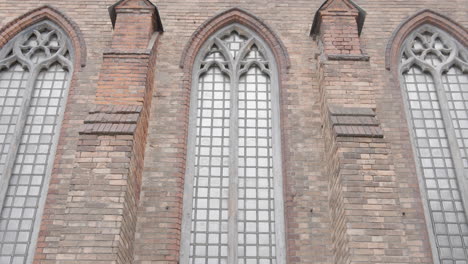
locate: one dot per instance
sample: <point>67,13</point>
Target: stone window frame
<point>436,73</point>
<point>196,72</point>
<point>11,54</point>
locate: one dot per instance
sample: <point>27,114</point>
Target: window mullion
<point>452,139</point>
<point>233,169</point>
<point>16,139</point>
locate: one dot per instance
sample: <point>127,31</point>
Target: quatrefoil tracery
<point>37,48</point>
<point>433,50</point>
<point>45,40</point>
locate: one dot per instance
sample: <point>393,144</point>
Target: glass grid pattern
<point>254,54</point>
<point>13,82</point>
<point>22,199</point>
<point>441,186</point>
<point>209,235</point>
<point>256,226</point>
<point>252,233</point>
<point>456,89</point>
<point>234,43</point>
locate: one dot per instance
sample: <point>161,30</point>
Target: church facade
<point>226,132</point>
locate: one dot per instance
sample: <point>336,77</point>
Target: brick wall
<point>308,164</point>
<point>98,207</point>
<point>348,83</point>
<point>338,219</point>
<point>340,34</point>
<point>123,78</point>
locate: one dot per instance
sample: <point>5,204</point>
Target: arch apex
<point>47,12</point>
<point>229,16</point>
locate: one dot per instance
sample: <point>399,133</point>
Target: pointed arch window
<point>35,72</point>
<point>434,75</point>
<point>233,204</point>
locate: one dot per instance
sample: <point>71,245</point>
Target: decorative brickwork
<point>354,122</point>
<point>112,120</point>
<point>115,193</point>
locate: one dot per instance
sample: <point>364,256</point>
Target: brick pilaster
<point>366,215</point>
<point>101,209</point>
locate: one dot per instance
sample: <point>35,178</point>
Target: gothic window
<point>233,205</point>
<point>434,69</point>
<point>35,71</point>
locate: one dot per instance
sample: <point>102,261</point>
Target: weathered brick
<point>343,203</point>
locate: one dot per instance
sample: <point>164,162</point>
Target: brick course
<point>348,199</point>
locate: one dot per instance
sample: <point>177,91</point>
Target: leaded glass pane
<point>256,225</point>
<point>211,179</point>
<point>13,82</point>
<point>456,88</point>
<point>26,182</point>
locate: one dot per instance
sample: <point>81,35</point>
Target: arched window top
<point>240,17</point>
<point>234,49</point>
<point>38,47</point>
<point>424,17</point>
<point>432,50</point>
<point>48,14</point>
